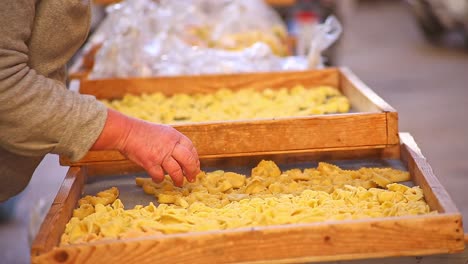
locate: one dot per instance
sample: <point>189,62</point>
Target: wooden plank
<point>435,194</point>
<point>376,151</point>
<point>103,168</point>
<point>392,128</point>
<point>337,240</point>
<point>94,156</point>
<point>364,99</point>
<point>117,88</point>
<point>60,212</point>
<point>409,141</point>
<point>325,131</point>
<point>231,138</point>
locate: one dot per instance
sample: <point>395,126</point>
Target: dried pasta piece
<point>266,168</point>
<point>254,187</point>
<point>235,179</point>
<point>83,211</point>
<point>380,180</point>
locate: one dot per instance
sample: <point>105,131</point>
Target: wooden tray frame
<point>326,241</point>
<point>375,125</point>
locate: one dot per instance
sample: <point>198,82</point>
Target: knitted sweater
<point>38,115</point>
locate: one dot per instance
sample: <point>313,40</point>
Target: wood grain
<point>103,168</point>
<point>295,243</point>
<point>124,166</point>
<point>392,128</point>
<point>375,123</point>
<point>117,88</point>
<point>435,194</point>
<point>366,100</point>
<point>60,212</point>
<point>325,241</point>
<point>231,138</point>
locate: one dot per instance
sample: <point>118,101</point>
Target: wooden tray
<point>325,241</point>
<point>372,123</point>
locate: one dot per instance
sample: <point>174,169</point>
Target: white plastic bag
<point>178,38</point>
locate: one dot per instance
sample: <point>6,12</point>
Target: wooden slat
<point>324,131</point>
<point>392,128</point>
<point>117,88</point>
<point>365,100</point>
<point>422,173</point>
<point>102,168</point>
<point>294,243</point>
<point>231,138</point>
<point>60,212</point>
<point>376,151</point>
<point>409,141</point>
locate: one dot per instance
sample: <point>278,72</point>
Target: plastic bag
<point>177,38</point>
<point>323,36</point>
<point>242,23</point>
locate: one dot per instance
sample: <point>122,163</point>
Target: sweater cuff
<point>83,128</point>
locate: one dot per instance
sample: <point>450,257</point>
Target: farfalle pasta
<point>232,105</point>
<point>225,200</point>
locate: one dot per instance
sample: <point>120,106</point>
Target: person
<point>38,115</point>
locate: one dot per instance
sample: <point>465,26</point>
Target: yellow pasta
<point>232,105</point>
<point>217,188</point>
<point>225,200</point>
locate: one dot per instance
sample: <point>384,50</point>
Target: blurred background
<point>412,53</point>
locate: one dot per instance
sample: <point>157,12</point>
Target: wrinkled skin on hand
<point>157,148</point>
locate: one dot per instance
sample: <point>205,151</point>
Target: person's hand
<point>159,148</point>
<point>156,148</point>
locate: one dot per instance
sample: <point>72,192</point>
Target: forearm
<point>115,131</point>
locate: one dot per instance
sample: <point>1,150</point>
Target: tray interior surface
<point>131,194</point>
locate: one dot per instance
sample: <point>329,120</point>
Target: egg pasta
<point>225,200</point>
<point>226,104</point>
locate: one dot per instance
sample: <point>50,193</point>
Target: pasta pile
<point>275,37</point>
<point>225,200</point>
<point>276,40</point>
<point>219,188</point>
<point>232,105</point>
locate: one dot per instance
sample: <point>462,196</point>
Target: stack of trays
<point>366,136</point>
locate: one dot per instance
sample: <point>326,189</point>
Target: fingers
<point>156,172</point>
<point>189,162</point>
<point>187,143</point>
<point>174,170</point>
<point>160,149</point>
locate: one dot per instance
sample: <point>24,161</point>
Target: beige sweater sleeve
<point>39,115</point>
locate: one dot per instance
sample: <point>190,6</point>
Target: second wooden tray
<point>372,123</point>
